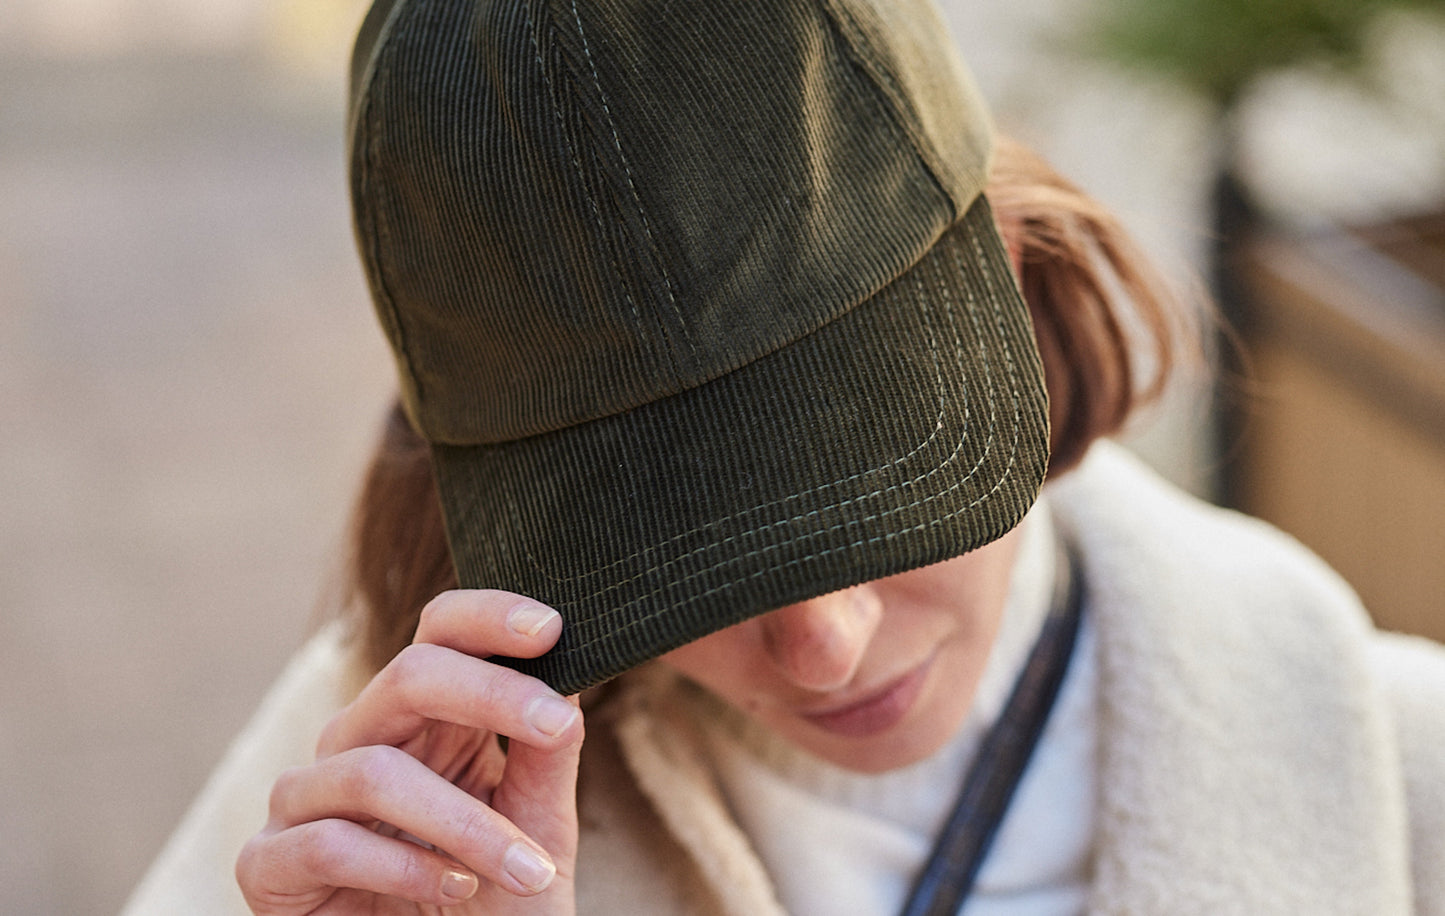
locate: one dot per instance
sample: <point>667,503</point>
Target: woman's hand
<point>412,804</point>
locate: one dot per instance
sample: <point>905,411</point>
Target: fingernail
<point>550,715</point>
<point>529,619</point>
<point>529,866</point>
<point>459,885</point>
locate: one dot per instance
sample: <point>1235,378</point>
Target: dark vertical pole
<point>1234,219</point>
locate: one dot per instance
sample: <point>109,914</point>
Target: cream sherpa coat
<point>1263,750</point>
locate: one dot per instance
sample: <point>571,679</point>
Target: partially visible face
<point>870,678</point>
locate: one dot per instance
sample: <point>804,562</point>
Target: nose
<point>818,644</point>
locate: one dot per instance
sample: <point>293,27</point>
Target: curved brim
<point>911,430</point>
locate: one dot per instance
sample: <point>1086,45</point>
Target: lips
<point>877,711</point>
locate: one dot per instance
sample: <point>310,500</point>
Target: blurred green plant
<point>1218,47</point>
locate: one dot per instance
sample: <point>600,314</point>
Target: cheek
<point>724,662</point>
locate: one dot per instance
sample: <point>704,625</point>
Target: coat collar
<point>1247,761</point>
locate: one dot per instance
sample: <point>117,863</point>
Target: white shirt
<point>839,842</point>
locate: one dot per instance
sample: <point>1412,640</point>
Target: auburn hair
<point>1108,331</point>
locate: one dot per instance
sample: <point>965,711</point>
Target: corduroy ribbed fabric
<point>700,305</point>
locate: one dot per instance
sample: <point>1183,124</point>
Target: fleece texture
<point>1249,754</point>
<point>1263,749</point>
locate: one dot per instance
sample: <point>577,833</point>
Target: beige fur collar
<point>1248,764</point>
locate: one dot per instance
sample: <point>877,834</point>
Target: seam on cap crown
<point>607,149</point>
<point>867,60</point>
<point>599,130</point>
<point>554,84</point>
<point>877,64</point>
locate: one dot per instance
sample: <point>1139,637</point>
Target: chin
<point>882,754</point>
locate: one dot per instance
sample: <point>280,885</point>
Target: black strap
<point>964,843</point>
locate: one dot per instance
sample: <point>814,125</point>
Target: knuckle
<point>436,610</point>
<point>323,849</point>
<point>506,693</point>
<point>407,670</point>
<point>326,741</point>
<point>477,832</point>
<point>367,772</point>
<point>329,742</point>
<point>415,877</point>
<point>248,861</point>
<point>492,691</point>
<point>284,789</point>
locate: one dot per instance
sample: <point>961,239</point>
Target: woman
<point>710,347</point>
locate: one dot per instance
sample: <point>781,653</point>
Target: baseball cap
<point>700,305</point>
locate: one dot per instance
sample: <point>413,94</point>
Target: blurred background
<point>190,376</point>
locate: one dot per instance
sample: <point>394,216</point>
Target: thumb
<point>538,793</point>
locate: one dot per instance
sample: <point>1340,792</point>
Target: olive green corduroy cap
<point>699,304</point>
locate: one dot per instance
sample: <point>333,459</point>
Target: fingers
<point>428,683</point>
<point>417,751</point>
<point>485,622</point>
<point>440,678</point>
<point>539,792</point>
<point>312,859</point>
<point>385,784</point>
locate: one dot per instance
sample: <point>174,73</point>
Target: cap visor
<point>910,430</point>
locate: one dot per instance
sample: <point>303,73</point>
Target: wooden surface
<point>1344,443</point>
